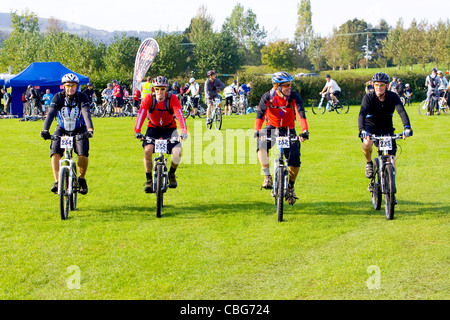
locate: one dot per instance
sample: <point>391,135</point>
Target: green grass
<point>219,237</point>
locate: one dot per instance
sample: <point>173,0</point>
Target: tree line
<point>240,42</point>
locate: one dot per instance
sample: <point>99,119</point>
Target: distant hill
<point>99,35</point>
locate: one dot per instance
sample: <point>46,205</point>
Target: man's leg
<point>176,159</point>
<point>83,162</point>
<point>56,157</point>
<point>148,166</point>
<point>367,148</point>
<point>264,160</point>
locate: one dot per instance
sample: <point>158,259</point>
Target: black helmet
<point>381,77</point>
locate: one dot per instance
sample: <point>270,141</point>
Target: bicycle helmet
<point>175,84</point>
<point>440,72</point>
<point>160,81</point>
<point>281,77</point>
<point>70,77</point>
<point>380,77</point>
<point>407,85</point>
<point>191,80</point>
<point>210,73</point>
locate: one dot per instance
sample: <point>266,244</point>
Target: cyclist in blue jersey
<point>71,108</point>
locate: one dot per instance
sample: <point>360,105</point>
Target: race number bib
<point>161,146</point>
<point>283,143</point>
<point>385,144</point>
<point>66,142</point>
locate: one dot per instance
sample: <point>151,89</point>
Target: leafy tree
<point>304,32</point>
<point>315,51</point>
<point>243,26</point>
<point>392,49</point>
<point>219,52</point>
<point>171,60</point>
<point>200,26</point>
<point>442,46</point>
<point>280,54</point>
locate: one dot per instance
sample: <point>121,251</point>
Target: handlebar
<point>77,137</point>
<point>394,137</point>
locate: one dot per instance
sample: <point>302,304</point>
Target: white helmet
<point>407,85</point>
<point>70,77</point>
<point>191,80</point>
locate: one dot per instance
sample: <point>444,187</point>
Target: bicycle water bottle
<point>328,106</point>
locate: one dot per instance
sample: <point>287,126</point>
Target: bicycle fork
<point>279,166</point>
<point>382,177</point>
<point>160,161</point>
<point>62,167</point>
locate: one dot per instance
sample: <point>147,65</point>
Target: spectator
<point>433,82</point>
<point>444,83</point>
<point>393,85</point>
<point>400,87</point>
<point>6,101</point>
<point>48,97</point>
<point>117,97</point>
<point>89,91</point>
<point>194,90</point>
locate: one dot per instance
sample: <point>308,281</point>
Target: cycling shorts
<point>164,133</point>
<point>293,153</point>
<point>81,147</point>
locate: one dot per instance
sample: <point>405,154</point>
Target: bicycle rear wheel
<point>389,197</point>
<point>218,119</point>
<point>63,192</point>
<point>316,108</point>
<point>159,190</point>
<point>280,193</point>
<point>376,185</point>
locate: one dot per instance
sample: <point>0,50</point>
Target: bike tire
<point>64,197</point>
<point>376,185</point>
<point>159,190</point>
<point>423,107</point>
<point>218,119</point>
<point>315,109</point>
<point>74,195</point>
<point>343,107</point>
<point>280,193</point>
<point>389,196</point>
<point>402,99</point>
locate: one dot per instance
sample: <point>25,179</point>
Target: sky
<point>277,17</point>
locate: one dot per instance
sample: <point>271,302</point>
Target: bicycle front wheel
<point>218,119</point>
<point>63,192</point>
<point>376,185</point>
<point>73,196</point>
<point>342,107</point>
<point>159,190</point>
<point>423,107</point>
<point>389,197</point>
<point>280,193</point>
<point>316,108</point>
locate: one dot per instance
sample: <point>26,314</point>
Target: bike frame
<point>384,158</point>
<point>67,163</point>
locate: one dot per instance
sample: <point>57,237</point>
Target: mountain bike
<point>108,107</point>
<point>281,171</point>
<point>243,104</point>
<point>406,100</point>
<point>68,178</point>
<point>188,108</point>
<point>96,110</point>
<point>319,106</point>
<point>127,108</point>
<point>160,170</point>
<point>383,179</point>
<point>216,115</point>
<point>442,107</point>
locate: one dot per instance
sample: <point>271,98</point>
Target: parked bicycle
<point>108,107</point>
<point>281,171</point>
<point>383,179</point>
<point>188,109</point>
<point>243,104</point>
<point>216,115</point>
<point>160,171</point>
<point>127,108</point>
<point>322,105</point>
<point>68,177</point>
<point>442,107</point>
<point>96,110</point>
<point>406,100</point>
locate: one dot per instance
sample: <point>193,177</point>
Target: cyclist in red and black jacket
<point>279,107</point>
<point>162,109</point>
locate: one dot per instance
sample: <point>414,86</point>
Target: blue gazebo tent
<point>42,76</point>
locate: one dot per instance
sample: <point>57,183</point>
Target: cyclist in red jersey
<point>163,108</point>
<point>279,107</point>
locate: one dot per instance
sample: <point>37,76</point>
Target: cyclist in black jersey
<point>71,108</point>
<point>375,117</point>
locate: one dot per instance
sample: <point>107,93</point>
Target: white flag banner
<point>147,52</point>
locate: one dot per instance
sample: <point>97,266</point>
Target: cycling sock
<point>291,184</point>
<point>172,170</point>
<point>266,171</point>
<point>148,175</point>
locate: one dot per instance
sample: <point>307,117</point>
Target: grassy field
<point>219,237</point>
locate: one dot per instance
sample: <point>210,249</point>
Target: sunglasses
<point>381,85</point>
<point>71,85</point>
<point>287,85</point>
<point>161,89</point>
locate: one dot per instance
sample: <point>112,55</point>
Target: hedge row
<point>352,86</point>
